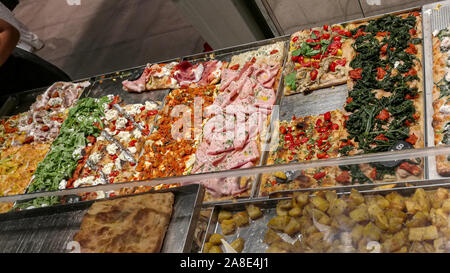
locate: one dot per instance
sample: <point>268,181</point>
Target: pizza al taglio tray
<point>51,229</point>
<point>436,16</point>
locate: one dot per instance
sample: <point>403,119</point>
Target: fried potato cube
<point>412,206</point>
<point>241,218</point>
<point>271,237</point>
<point>382,202</point>
<point>359,214</point>
<point>228,226</point>
<point>372,232</point>
<point>279,222</point>
<point>280,247</point>
<point>382,221</point>
<point>446,206</point>
<point>393,213</point>
<point>416,247</point>
<point>324,220</point>
<point>295,211</point>
<point>438,217</point>
<point>215,249</point>
<point>344,222</point>
<point>396,201</point>
<point>301,198</point>
<point>316,242</point>
<point>418,220</point>
<point>423,233</point>
<point>440,244</point>
<point>285,204</point>
<point>292,228</point>
<point>298,247</point>
<point>357,233</point>
<point>355,199</point>
<point>330,196</point>
<point>253,211</point>
<point>373,209</point>
<point>238,244</point>
<point>395,224</point>
<point>215,239</point>
<point>320,203</point>
<point>224,215</point>
<point>394,243</point>
<point>435,200</point>
<point>207,246</point>
<point>421,197</point>
<point>337,207</point>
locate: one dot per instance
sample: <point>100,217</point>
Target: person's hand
<point>9,37</point>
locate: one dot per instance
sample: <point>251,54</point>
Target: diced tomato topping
<point>412,31</point>
<point>344,177</point>
<point>327,116</point>
<point>384,49</point>
<point>412,139</point>
<point>319,176</point>
<point>337,38</point>
<point>325,36</point>
<point>416,116</point>
<point>28,140</point>
<point>350,99</point>
<point>325,27</point>
<point>132,143</point>
<point>384,115</point>
<point>335,126</point>
<point>304,140</point>
<point>310,41</point>
<point>355,74</point>
<point>295,39</point>
<point>283,130</point>
<point>360,32</point>
<point>341,62</point>
<point>314,74</point>
<point>275,51</point>
<point>322,156</point>
<point>408,123</point>
<point>91,139</point>
<point>409,97</point>
<point>373,174</point>
<point>411,72</point>
<point>318,122</point>
<point>236,66</point>
<point>382,34</point>
<point>333,66</point>
<point>288,137</point>
<point>294,59</point>
<point>380,73</point>
<point>411,49</point>
<point>45,128</point>
<point>411,168</point>
<point>382,137</point>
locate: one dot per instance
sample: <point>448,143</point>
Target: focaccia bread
<point>128,224</point>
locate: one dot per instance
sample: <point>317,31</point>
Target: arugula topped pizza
<point>316,59</point>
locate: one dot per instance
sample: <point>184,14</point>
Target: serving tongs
<point>130,118</point>
<point>127,154</point>
<point>228,247</point>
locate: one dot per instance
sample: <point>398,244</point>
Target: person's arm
<point>9,37</point>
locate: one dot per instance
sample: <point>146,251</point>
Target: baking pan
<point>253,234</point>
<point>51,229</point>
<point>434,18</point>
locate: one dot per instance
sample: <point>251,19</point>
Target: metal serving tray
<point>434,18</point>
<point>50,229</point>
<point>326,99</point>
<point>253,234</point>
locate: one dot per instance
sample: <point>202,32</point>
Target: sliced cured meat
<point>222,142</point>
<point>187,73</point>
<point>227,77</point>
<point>238,158</point>
<point>137,85</point>
<point>212,71</point>
<point>247,89</point>
<point>265,97</point>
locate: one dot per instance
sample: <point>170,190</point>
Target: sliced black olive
<point>300,125</point>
